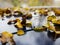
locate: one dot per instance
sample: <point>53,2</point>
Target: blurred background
<point>20,3</point>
